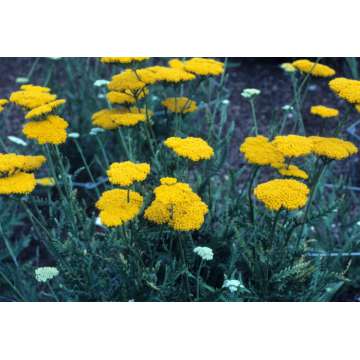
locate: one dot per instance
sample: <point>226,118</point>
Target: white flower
<point>98,221</point>
<point>225,102</point>
<point>17,140</point>
<point>43,274</point>
<point>95,131</point>
<point>250,93</point>
<point>232,285</point>
<point>22,80</point>
<point>204,252</point>
<point>101,82</point>
<point>288,108</point>
<point>74,135</point>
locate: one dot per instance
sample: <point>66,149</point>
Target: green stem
<point>253,114</point>
<point>198,280</point>
<point>251,201</point>
<point>182,253</point>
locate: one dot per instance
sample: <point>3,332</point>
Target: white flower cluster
<point>204,252</point>
<point>250,93</point>
<point>43,274</point>
<point>232,285</point>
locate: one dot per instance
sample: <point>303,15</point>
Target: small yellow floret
<point>324,111</point>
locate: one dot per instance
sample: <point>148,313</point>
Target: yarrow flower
<point>324,111</point>
<point>282,194</point>
<point>199,66</point>
<point>180,105</point>
<point>258,150</point>
<point>232,285</point>
<point>127,173</point>
<point>288,67</point>
<point>195,149</point>
<point>204,252</point>
<point>3,102</point>
<point>293,145</point>
<point>19,183</point>
<point>126,96</point>
<point>250,93</point>
<point>119,206</point>
<point>44,274</point>
<point>170,75</point>
<point>133,80</point>
<point>315,69</point>
<point>332,148</point>
<point>122,60</point>
<point>177,205</point>
<point>346,89</point>
<point>46,181</point>
<point>16,140</point>
<point>44,109</point>
<point>293,171</point>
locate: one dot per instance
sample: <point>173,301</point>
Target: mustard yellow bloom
<point>180,105</point>
<point>122,60</point>
<point>332,148</point>
<point>10,163</point>
<point>133,80</point>
<point>170,75</point>
<point>44,109</point>
<point>52,130</point>
<point>111,119</point>
<point>3,102</point>
<point>204,67</point>
<point>177,205</point>
<point>46,181</point>
<point>192,148</point>
<point>176,64</point>
<point>30,87</point>
<point>346,89</point>
<point>293,171</point>
<point>324,111</point>
<point>127,173</point>
<point>282,194</point>
<point>258,150</point>
<point>19,183</point>
<point>31,99</point>
<point>315,69</point>
<point>126,96</point>
<point>288,67</point>
<point>293,145</point>
<point>119,206</point>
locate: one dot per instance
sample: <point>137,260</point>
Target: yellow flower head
<point>282,194</point>
<point>333,148</point>
<point>127,173</point>
<point>30,87</point>
<point>293,145</point>
<point>11,163</point>
<point>170,75</point>
<point>288,67</point>
<point>111,119</point>
<point>52,130</point>
<point>119,206</point>
<point>3,102</point>
<point>44,109</point>
<point>357,108</point>
<point>31,98</point>
<point>192,148</point>
<point>133,80</point>
<point>346,89</point>
<point>122,60</point>
<point>19,183</point>
<point>259,151</point>
<point>177,205</point>
<point>126,97</point>
<point>324,111</point>
<point>315,69</point>
<point>176,64</point>
<point>204,67</point>
<point>293,171</point>
<point>180,105</point>
<point>46,181</point>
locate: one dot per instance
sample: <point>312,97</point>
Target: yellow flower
<point>333,148</point>
<point>293,171</point>
<point>126,96</point>
<point>10,163</point>
<point>315,69</point>
<point>111,119</point>
<point>170,75</point>
<point>127,173</point>
<point>31,99</point>
<point>357,107</point>
<point>288,67</point>
<point>30,87</point>
<point>324,111</point>
<point>122,60</point>
<point>180,105</point>
<point>19,183</point>
<point>133,80</point>
<point>47,181</point>
<point>259,151</point>
<point>346,89</point>
<point>293,145</point>
<point>282,194</point>
<point>52,130</point>
<point>44,109</point>
<point>204,67</point>
<point>192,148</point>
<point>177,205</point>
<point>3,102</point>
<point>119,206</point>
<point>176,64</point>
